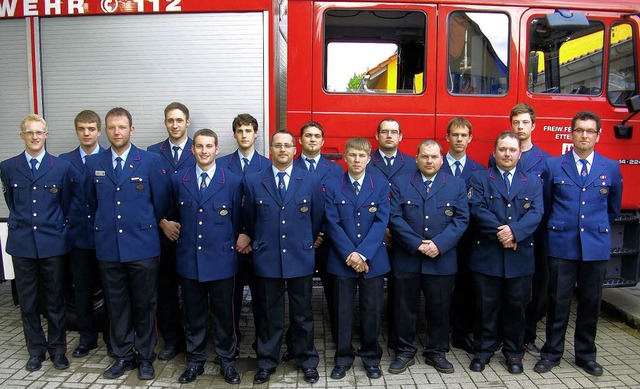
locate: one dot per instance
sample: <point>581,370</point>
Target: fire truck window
<point>622,82</point>
<point>565,61</point>
<point>374,51</point>
<point>478,53</point>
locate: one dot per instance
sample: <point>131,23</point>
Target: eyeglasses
<point>581,131</point>
<point>282,145</point>
<point>38,134</point>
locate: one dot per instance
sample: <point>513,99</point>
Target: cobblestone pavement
<point>618,352</point>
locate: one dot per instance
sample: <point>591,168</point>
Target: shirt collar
<point>181,145</point>
<point>39,157</point>
<point>512,171</point>
<point>424,178</point>
<point>577,158</point>
<point>452,161</point>
<point>209,172</point>
<point>249,157</point>
<point>383,155</point>
<point>83,153</point>
<point>360,180</point>
<point>317,159</point>
<point>124,155</point>
<point>287,170</point>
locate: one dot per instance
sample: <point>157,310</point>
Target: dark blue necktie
<point>246,163</point>
<point>583,172</point>
<point>458,169</point>
<point>506,181</point>
<point>118,168</point>
<point>34,164</point>
<point>203,182</point>
<point>427,185</point>
<point>312,164</point>
<point>356,187</point>
<point>389,161</point>
<point>175,153</point>
<point>282,189</point>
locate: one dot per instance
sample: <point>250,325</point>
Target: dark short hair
<point>429,142</point>
<point>504,135</point>
<point>118,111</point>
<point>311,124</point>
<point>521,108</point>
<point>244,119</point>
<point>459,123</point>
<point>283,131</point>
<point>206,132</point>
<point>587,115</point>
<point>87,116</point>
<point>389,120</point>
<point>177,105</point>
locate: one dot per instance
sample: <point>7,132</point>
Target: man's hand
<point>243,244</point>
<point>387,238</point>
<point>319,240</point>
<point>357,263</point>
<point>428,248</point>
<point>170,229</point>
<point>505,234</point>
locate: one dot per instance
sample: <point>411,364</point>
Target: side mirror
<point>622,131</point>
<point>565,20</point>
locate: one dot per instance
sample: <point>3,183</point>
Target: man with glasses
<point>282,213</point>
<point>37,189</point>
<point>583,192</point>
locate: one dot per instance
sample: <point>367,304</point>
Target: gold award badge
<point>603,191</point>
<point>448,212</point>
<point>53,190</point>
<point>140,187</point>
<point>373,209</point>
<point>224,212</point>
<point>527,205</point>
<point>304,208</point>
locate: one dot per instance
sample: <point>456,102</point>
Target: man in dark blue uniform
<point>175,153</point>
<point>283,213</point>
<point>82,258</point>
<point>357,212</point>
<point>506,207</point>
<point>389,162</point>
<point>458,163</point>
<point>245,160</point>
<point>128,192</point>
<point>37,189</point>
<point>207,199</point>
<point>583,191</point>
<point>429,214</point>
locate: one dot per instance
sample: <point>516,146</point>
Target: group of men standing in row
<point>486,242</point>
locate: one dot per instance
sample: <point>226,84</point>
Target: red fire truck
<point>345,64</point>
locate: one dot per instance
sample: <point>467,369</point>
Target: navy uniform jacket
<point>282,232</point>
<point>357,223</point>
<point>580,215</point>
<point>401,164</point>
<point>491,206</point>
<point>231,162</point>
<point>534,162</point>
<point>442,215</point>
<point>168,165</point>
<point>209,224</point>
<point>325,169</point>
<point>81,233</point>
<point>127,210</point>
<point>469,168</point>
<point>38,205</point>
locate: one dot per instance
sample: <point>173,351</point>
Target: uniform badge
<point>603,191</point>
<point>603,176</point>
<point>140,187</point>
<point>53,190</point>
<point>304,208</point>
<point>373,209</point>
<point>470,193</point>
<point>527,205</point>
<point>224,212</point>
<point>448,212</point>
<point>100,173</point>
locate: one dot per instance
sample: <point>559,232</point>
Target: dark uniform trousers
<point>563,275</point>
<point>201,298</point>
<point>50,272</point>
<point>509,296</point>
<point>244,277</point>
<point>462,305</point>
<point>537,307</point>
<point>270,324</point>
<point>168,314</point>
<point>136,306</point>
<point>371,301</point>
<point>437,290</point>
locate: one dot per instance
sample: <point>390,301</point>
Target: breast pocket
<point>303,203</point>
<point>140,186</point>
<point>20,192</point>
<point>222,212</point>
<point>103,188</point>
<point>564,188</point>
<point>524,203</point>
<point>410,209</point>
<point>603,186</point>
<point>446,212</point>
<point>264,209</point>
<point>345,209</point>
<point>52,190</point>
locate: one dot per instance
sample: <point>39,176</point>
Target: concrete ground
<point>618,352</point>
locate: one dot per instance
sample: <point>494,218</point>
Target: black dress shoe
<point>168,352</point>
<point>34,363</point>
<point>464,343</point>
<point>119,367</point>
<point>441,364</point>
<point>190,374</point>
<point>230,375</point>
<point>514,365</point>
<point>146,371</point>
<point>545,366</point>
<point>339,371</point>
<point>310,375</point>
<point>60,361</point>
<point>591,367</point>
<point>477,364</point>
<point>373,372</point>
<point>532,349</point>
<point>400,364</point>
<point>263,375</point>
<point>83,350</point>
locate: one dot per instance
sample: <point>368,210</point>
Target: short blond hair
<point>358,144</point>
<point>32,117</point>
